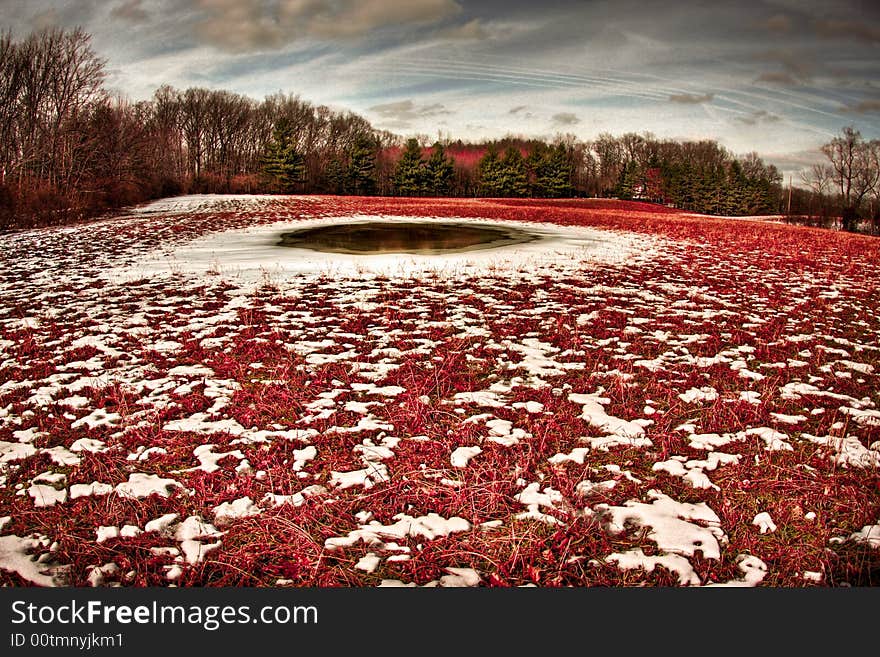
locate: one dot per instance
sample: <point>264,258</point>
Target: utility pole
<point>788,211</point>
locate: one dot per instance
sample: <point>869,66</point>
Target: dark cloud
<point>521,111</point>
<point>780,23</point>
<point>473,29</point>
<point>565,118</point>
<point>130,10</point>
<point>778,77</point>
<point>866,32</point>
<point>402,113</point>
<point>758,116</point>
<point>863,107</point>
<point>241,26</point>
<point>795,161</point>
<point>691,99</point>
<point>798,66</point>
<point>67,14</point>
<point>797,62</point>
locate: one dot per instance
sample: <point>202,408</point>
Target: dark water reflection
<point>420,238</point>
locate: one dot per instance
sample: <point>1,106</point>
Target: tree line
<point>69,148</point>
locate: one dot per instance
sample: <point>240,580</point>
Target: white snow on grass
<point>619,432</point>
<point>636,559</point>
<point>209,460</point>
<point>367,477</point>
<point>368,563</point>
<point>191,534</point>
<point>47,495</point>
<point>86,490</point>
<point>847,451</point>
<point>864,418</point>
<point>485,398</point>
<point>773,440</point>
<point>161,524</point>
<point>788,419</point>
<point>764,523</point>
<point>693,471</point>
<point>228,512</point>
<point>753,572</point>
<point>21,555</point>
<point>577,455</point>
<point>141,485</point>
<point>98,574</point>
<point>869,534</point>
<point>534,498</point>
<point>296,499</point>
<point>375,534</point>
<point>504,433</point>
<point>106,533</point>
<point>98,418</point>
<point>671,525</point>
<point>461,456</point>
<point>15,451</point>
<point>459,577</point>
<point>302,456</point>
<point>694,395</point>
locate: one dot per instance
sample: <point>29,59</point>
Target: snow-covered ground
<point>640,397</point>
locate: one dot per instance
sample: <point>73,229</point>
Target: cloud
<point>471,30</point>
<point>778,77</point>
<point>60,14</point>
<point>864,107</point>
<point>796,161</point>
<point>758,116</point>
<point>691,99</point>
<point>130,10</point>
<point>797,67</point>
<point>240,26</point>
<point>521,111</point>
<point>779,23</point>
<point>402,113</point>
<point>565,118</point>
<point>860,31</point>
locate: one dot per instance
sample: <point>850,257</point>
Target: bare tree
<point>854,171</point>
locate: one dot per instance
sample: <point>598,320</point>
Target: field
<point>691,401</point>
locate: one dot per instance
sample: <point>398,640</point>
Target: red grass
<point>729,283</point>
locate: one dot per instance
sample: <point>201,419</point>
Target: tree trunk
<point>849,218</point>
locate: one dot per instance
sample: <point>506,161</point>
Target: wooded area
<point>69,149</point>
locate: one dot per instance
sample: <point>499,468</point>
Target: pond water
<point>419,238</point>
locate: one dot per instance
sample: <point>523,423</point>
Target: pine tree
<point>409,175</point>
<point>439,171</point>
<point>335,176</point>
<point>361,174</point>
<point>514,176</point>
<point>553,175</point>
<point>626,185</point>
<point>489,174</point>
<point>282,164</point>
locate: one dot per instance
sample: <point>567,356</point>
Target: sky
<point>779,77</point>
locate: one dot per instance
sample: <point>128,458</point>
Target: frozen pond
<point>417,238</point>
<point>386,245</point>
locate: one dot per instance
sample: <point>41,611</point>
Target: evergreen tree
<point>489,174</point>
<point>513,174</point>
<point>409,175</point>
<point>335,175</point>
<point>361,178</point>
<point>553,172</point>
<point>439,171</point>
<point>628,180</point>
<point>282,164</point>
<point>736,191</point>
